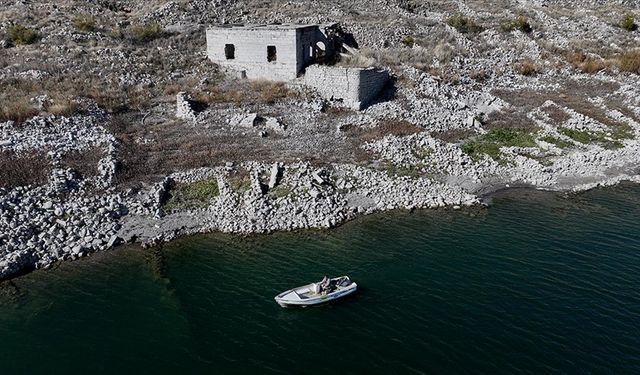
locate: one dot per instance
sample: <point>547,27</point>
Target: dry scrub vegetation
<point>84,22</point>
<point>16,109</point>
<point>528,67</point>
<point>239,92</point>
<point>84,162</point>
<point>23,169</point>
<point>21,35</point>
<point>519,23</point>
<point>627,61</point>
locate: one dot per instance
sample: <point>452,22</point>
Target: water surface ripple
<point>538,283</point>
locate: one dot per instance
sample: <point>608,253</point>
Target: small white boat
<point>317,293</point>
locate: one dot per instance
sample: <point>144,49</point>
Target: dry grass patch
<point>453,135</point>
<point>478,75</point>
<point>62,107</point>
<point>18,110</point>
<point>519,23</point>
<point>418,57</point>
<point>629,61</point>
<point>146,32</point>
<point>270,91</point>
<point>511,118</point>
<point>398,128</point>
<point>242,92</point>
<point>23,169</point>
<point>465,25</point>
<point>528,67</point>
<point>239,180</point>
<point>586,64</point>
<point>556,114</point>
<point>84,23</point>
<point>84,162</point>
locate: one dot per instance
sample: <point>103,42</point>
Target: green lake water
<point>538,283</point>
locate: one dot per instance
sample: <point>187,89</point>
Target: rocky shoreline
<point>72,216</point>
<point>139,138</point>
<point>63,220</point>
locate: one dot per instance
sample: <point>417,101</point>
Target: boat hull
<point>315,300</point>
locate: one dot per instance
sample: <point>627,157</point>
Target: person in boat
<point>324,284</point>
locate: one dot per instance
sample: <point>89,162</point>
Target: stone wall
<point>250,50</point>
<point>296,47</point>
<point>184,108</point>
<point>354,87</point>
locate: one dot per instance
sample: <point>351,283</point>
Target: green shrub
<point>280,191</point>
<point>203,190</point>
<point>464,24</point>
<point>408,41</point>
<point>628,23</point>
<point>20,35</point>
<point>621,131</point>
<point>84,23</point>
<point>520,23</point>
<point>587,137</point>
<point>491,142</point>
<point>510,137</point>
<point>581,136</point>
<point>393,170</point>
<point>477,148</point>
<point>560,143</point>
<point>194,195</point>
<point>146,32</point>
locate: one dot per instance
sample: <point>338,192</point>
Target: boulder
<point>315,193</point>
<point>320,176</point>
<point>274,124</point>
<point>247,120</point>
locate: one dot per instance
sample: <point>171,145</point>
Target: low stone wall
<point>184,109</point>
<point>355,87</point>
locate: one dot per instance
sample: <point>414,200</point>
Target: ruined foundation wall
<point>355,87</point>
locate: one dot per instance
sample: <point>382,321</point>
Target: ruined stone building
<point>275,52</point>
<point>300,53</point>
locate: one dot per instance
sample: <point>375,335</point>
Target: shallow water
<point>538,283</point>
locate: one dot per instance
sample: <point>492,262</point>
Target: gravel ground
<point>486,95</point>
